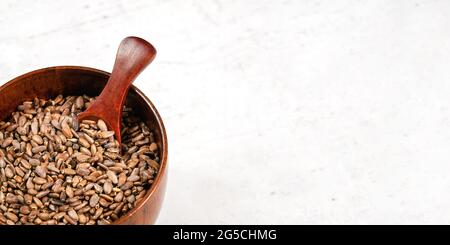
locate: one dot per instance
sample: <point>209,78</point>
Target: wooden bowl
<point>75,80</point>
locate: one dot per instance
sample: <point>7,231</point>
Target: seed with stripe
<point>12,217</point>
<point>94,200</point>
<point>102,125</point>
<point>39,170</point>
<point>107,187</point>
<point>42,194</point>
<point>112,176</point>
<point>38,139</point>
<point>73,215</point>
<point>105,134</point>
<point>39,180</point>
<point>69,191</point>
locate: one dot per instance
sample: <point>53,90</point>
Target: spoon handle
<point>133,55</point>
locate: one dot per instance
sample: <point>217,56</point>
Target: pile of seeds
<point>54,170</point>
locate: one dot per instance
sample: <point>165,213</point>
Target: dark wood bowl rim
<point>164,153</point>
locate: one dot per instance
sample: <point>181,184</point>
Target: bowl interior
<point>73,80</point>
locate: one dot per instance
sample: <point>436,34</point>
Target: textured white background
<point>277,112</point>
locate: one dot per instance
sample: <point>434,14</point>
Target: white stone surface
<point>277,112</point>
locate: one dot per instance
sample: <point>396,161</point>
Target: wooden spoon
<point>133,55</point>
